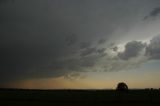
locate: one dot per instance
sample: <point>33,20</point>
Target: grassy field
<point>16,97</point>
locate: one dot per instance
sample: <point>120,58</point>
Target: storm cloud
<point>51,38</point>
<point>132,49</point>
<point>5,1</point>
<point>153,49</point>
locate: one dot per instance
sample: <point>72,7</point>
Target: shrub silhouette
<point>122,86</point>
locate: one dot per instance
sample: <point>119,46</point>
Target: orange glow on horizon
<point>62,83</point>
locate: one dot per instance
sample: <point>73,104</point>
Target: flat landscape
<point>23,97</point>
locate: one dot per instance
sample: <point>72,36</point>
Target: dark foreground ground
<point>17,97</point>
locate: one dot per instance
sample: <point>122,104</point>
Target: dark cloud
<point>80,63</point>
<point>101,41</point>
<point>91,56</point>
<point>85,45</point>
<point>112,44</point>
<point>92,51</point>
<point>86,59</point>
<point>88,51</point>
<point>153,49</point>
<point>7,1</point>
<point>89,61</point>
<point>4,1</point>
<point>154,13</point>
<point>71,39</point>
<point>101,51</point>
<point>115,49</point>
<point>50,38</point>
<point>22,61</point>
<point>132,49</point>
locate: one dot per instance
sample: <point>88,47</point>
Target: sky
<point>79,44</point>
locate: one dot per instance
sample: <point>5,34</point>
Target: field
<point>21,97</point>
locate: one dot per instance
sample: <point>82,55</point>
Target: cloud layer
<point>51,38</point>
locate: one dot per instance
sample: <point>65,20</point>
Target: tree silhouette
<point>122,86</point>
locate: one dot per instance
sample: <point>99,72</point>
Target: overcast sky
<point>41,39</point>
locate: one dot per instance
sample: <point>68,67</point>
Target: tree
<point>122,86</point>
